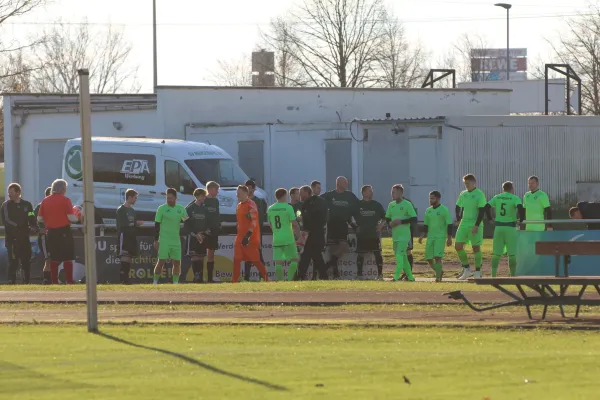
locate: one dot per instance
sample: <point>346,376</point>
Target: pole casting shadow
<point>195,362</point>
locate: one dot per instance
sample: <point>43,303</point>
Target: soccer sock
<point>379,262</point>
<point>399,265</point>
<point>292,270</point>
<point>438,270</point>
<point>262,270</point>
<point>463,257</point>
<point>512,265</point>
<point>407,270</point>
<point>478,260</point>
<point>54,271</point>
<point>198,268</point>
<point>279,271</point>
<point>156,278</point>
<point>360,259</point>
<point>247,270</point>
<point>47,276</point>
<point>26,266</point>
<point>210,266</point>
<point>175,279</point>
<point>125,267</point>
<point>237,266</point>
<point>410,261</point>
<point>68,267</point>
<point>495,263</point>
<point>333,262</point>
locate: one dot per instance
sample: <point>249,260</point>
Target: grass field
<point>219,362</point>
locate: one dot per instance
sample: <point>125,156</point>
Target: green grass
<point>419,252</point>
<point>226,362</point>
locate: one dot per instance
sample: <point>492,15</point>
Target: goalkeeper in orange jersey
<point>247,241</point>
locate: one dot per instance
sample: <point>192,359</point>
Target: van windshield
<point>225,172</point>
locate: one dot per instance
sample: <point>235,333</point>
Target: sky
<point>194,34</point>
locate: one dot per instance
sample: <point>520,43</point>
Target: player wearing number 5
<point>508,210</point>
<point>283,224</point>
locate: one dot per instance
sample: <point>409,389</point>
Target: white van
<point>150,166</point>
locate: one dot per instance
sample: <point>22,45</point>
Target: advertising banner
<point>142,270</point>
<point>530,264</point>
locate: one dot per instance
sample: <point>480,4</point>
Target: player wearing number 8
<point>508,209</point>
<point>283,224</point>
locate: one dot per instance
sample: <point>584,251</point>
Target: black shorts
<point>211,242</point>
<point>368,244</point>
<point>60,244</point>
<point>128,245</point>
<point>337,231</point>
<point>194,247</point>
<point>42,240</point>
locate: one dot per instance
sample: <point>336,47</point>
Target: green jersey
<point>213,218</point>
<point>404,211</point>
<point>170,219</point>
<point>126,220</point>
<point>535,203</point>
<point>471,202</point>
<point>261,205</point>
<point>281,216</point>
<point>341,206</point>
<point>197,218</point>
<point>370,213</point>
<point>437,220</point>
<point>505,205</point>
<point>35,212</point>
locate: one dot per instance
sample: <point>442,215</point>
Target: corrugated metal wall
<point>559,155</point>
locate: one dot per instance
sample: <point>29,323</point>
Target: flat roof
<point>272,88</point>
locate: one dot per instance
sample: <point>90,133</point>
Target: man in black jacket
<point>19,221</point>
<point>314,219</point>
<point>587,210</point>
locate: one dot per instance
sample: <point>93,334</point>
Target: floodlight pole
<point>507,7</point>
<point>89,234</point>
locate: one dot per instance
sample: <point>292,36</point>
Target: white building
<point>425,139</point>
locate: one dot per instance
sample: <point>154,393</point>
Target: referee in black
<point>314,219</point>
<point>586,210</point>
<point>19,222</point>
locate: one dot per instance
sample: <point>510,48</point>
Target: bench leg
<point>577,311</point>
<point>528,312</point>
<point>544,312</point>
<point>581,293</point>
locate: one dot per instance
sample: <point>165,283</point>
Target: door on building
<point>338,162</point>
<point>251,158</point>
<point>423,170</point>
<point>49,163</point>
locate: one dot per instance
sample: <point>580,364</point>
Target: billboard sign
<point>490,64</point>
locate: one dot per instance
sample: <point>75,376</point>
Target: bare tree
<point>580,48</point>
<point>459,58</point>
<point>67,48</point>
<point>236,72</point>
<point>399,65</point>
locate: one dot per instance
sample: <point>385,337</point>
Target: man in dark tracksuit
<point>19,221</point>
<point>314,219</point>
<point>262,217</point>
<point>587,210</point>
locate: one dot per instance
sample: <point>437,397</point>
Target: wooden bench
<point>545,290</point>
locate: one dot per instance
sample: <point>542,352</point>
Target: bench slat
<point>540,280</point>
<point>580,248</point>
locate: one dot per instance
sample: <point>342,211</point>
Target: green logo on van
<point>74,163</point>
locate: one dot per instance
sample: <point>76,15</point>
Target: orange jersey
<point>247,218</point>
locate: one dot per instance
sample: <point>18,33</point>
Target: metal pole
<point>507,43</point>
<point>154,48</point>
<point>546,71</point>
<point>85,111</point>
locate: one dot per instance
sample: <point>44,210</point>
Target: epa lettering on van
<point>205,153</point>
<point>132,169</point>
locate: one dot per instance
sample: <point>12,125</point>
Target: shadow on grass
<point>195,362</point>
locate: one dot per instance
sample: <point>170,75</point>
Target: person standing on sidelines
<point>283,224</point>
<point>295,200</point>
<point>261,206</point>
<point>315,186</point>
<point>537,206</point>
<point>470,208</point>
<point>438,229</point>
<point>46,280</point>
<point>586,210</point>
<point>19,221</point>
<point>509,210</point>
<point>167,239</point>
<point>369,220</point>
<point>57,214</point>
<point>401,216</point>
<point>196,228</point>
<point>127,230</point>
<point>247,241</point>
<point>314,220</point>
<point>213,222</point>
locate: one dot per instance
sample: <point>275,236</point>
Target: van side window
<point>131,169</point>
<point>178,178</point>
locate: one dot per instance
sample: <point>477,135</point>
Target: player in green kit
<point>470,208</point>
<point>283,224</point>
<point>537,206</point>
<point>167,238</point>
<point>402,217</point>
<point>438,228</point>
<point>508,209</point>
